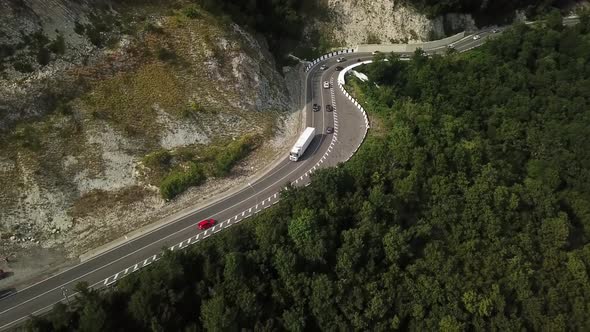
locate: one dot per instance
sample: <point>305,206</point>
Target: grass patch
<point>178,181</point>
<point>226,157</point>
<point>372,38</point>
<point>95,199</point>
<point>128,100</point>
<point>173,171</point>
<point>27,136</point>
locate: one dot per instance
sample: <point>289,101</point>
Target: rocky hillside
<point>356,22</point>
<point>102,106</point>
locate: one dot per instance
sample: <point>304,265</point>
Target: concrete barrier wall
<point>326,56</point>
<point>385,48</point>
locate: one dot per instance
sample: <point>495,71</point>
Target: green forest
<point>467,208</point>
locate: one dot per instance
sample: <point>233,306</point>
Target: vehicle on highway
<point>339,68</point>
<point>358,60</point>
<point>302,144</point>
<point>324,67</point>
<point>204,224</point>
<point>316,107</point>
<point>329,108</point>
<point>7,292</point>
<point>495,30</point>
<point>326,85</point>
<point>404,56</point>
<point>476,37</point>
<point>375,52</point>
<point>329,130</point>
<point>341,59</point>
<point>3,274</point>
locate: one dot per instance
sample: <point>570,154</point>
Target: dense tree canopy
<point>467,208</point>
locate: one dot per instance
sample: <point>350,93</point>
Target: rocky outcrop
<point>384,21</point>
<point>88,89</point>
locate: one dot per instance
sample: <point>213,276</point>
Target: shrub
<point>6,50</point>
<point>157,159</point>
<point>191,12</point>
<point>94,37</point>
<point>23,66</point>
<point>43,56</point>
<point>58,46</point>
<point>79,28</point>
<point>373,38</point>
<point>231,154</point>
<point>178,181</point>
<point>28,137</point>
<point>165,54</point>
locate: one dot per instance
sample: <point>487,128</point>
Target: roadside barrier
<point>341,82</point>
<point>326,56</point>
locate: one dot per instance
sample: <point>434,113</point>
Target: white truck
<point>302,144</point>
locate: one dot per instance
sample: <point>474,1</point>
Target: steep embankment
<point>104,109</point>
<point>383,21</point>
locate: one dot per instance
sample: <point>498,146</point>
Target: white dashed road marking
<point>256,209</point>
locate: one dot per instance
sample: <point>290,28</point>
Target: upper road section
<point>349,123</point>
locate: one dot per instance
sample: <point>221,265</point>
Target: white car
<point>476,37</point>
<point>341,60</point>
<point>376,52</point>
<point>326,85</point>
<point>495,30</point>
<point>324,67</point>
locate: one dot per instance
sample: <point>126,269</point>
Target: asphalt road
<point>325,150</point>
<point>106,268</point>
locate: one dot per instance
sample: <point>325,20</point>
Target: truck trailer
<point>302,144</point>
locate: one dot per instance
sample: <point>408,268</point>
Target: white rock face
<point>360,22</point>
<point>84,176</point>
<point>177,133</point>
<point>117,169</point>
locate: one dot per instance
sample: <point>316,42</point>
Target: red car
<point>204,224</point>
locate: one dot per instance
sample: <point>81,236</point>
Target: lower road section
<point>327,149</point>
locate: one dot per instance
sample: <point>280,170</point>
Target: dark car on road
<point>329,108</point>
<point>316,107</point>
<point>329,130</point>
<point>339,68</point>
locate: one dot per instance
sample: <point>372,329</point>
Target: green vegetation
<point>58,46</point>
<point>178,181</point>
<point>469,209</point>
<point>372,39</point>
<point>127,100</point>
<point>226,157</point>
<point>177,170</point>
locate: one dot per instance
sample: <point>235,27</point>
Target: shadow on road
<point>7,292</point>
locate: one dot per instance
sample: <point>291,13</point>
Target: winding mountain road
<point>325,150</point>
